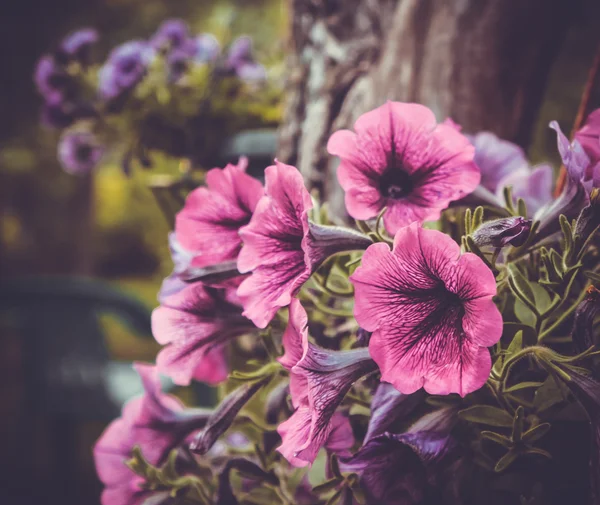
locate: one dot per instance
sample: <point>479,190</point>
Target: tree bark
<point>483,63</point>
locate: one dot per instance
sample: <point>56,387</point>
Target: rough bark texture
<point>482,62</point>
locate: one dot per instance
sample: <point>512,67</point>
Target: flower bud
<point>589,217</point>
<point>501,232</point>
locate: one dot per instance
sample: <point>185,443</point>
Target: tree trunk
<point>483,63</point>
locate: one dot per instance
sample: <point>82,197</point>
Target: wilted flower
<point>319,380</point>
<point>430,310</point>
<point>400,158</point>
<point>281,248</point>
<point>51,79</point>
<point>155,422</point>
<point>58,114</point>
<point>589,136</point>
<point>589,217</point>
<point>502,232</point>
<point>79,152</point>
<point>210,221</point>
<point>77,46</point>
<point>126,66</point>
<point>194,325</point>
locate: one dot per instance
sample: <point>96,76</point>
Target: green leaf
<point>334,498</point>
<point>468,222</point>
<point>523,385</point>
<point>593,276</point>
<point>524,314</point>
<point>486,414</point>
<point>516,344</point>
<point>327,486</point>
<point>477,218</point>
<point>335,467</point>
<point>538,451</point>
<point>496,437</point>
<point>536,433</point>
<point>505,461</point>
<point>547,395</point>
<point>360,410</point>
<point>521,207</point>
<point>520,285</point>
<point>517,431</point>
<point>358,493</point>
<point>567,234</point>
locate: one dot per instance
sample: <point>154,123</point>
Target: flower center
<point>83,152</point>
<point>395,183</point>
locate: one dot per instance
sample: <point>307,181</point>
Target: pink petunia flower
<point>155,422</point>
<point>209,223</point>
<point>430,310</point>
<point>282,248</point>
<point>400,158</point>
<point>319,380</point>
<point>194,325</point>
<point>589,136</point>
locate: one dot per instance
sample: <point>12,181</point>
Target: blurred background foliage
<point>111,227</point>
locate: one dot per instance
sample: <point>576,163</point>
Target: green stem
<point>562,317</point>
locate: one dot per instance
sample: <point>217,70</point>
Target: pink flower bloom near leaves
<point>400,158</point>
<point>209,223</point>
<point>319,380</point>
<point>194,325</point>
<point>430,310</point>
<point>282,248</point>
<point>155,422</point>
<point>589,136</point>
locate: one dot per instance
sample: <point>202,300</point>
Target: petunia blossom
<point>194,325</point>
<point>400,469</point>
<point>210,221</point>
<point>430,310</point>
<point>400,158</point>
<point>575,193</point>
<point>502,164</point>
<point>125,67</point>
<point>282,248</point>
<point>157,423</point>
<point>77,46</point>
<point>80,152</point>
<point>589,136</point>
<point>512,230</point>
<point>319,380</point>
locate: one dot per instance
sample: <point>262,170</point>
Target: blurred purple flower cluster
<point>86,98</point>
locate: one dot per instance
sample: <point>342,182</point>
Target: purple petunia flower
<point>400,158</point>
<point>241,61</point>
<point>319,380</point>
<point>171,34</point>
<point>77,46</point>
<point>126,67</point>
<point>399,469</point>
<point>281,248</point>
<point>194,325</point>
<point>52,81</point>
<point>207,48</point>
<point>155,422</point>
<point>575,194</point>
<point>210,221</point>
<point>503,164</point>
<point>430,310</point>
<point>79,152</point>
<point>589,136</point>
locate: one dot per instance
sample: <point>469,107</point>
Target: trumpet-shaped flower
<point>430,310</point>
<point>400,158</point>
